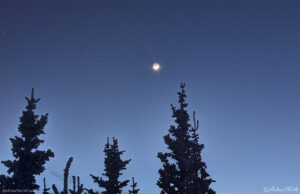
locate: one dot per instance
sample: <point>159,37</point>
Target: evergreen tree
<point>45,190</point>
<point>80,188</point>
<point>29,161</point>
<point>133,190</point>
<point>183,170</point>
<point>5,183</point>
<point>90,191</point>
<point>113,167</point>
<point>66,178</point>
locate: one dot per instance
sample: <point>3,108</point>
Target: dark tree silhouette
<point>133,189</point>
<point>80,188</point>
<point>45,190</point>
<point>29,161</point>
<point>5,183</point>
<point>91,191</point>
<point>113,167</point>
<point>183,170</point>
<point>66,176</point>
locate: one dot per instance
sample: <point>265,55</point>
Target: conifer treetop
<point>183,170</point>
<point>133,186</point>
<point>113,167</point>
<point>29,161</point>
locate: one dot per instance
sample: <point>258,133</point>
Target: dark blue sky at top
<point>90,62</point>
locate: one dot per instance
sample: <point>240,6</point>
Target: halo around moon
<point>156,67</point>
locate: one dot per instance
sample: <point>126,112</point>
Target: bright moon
<point>156,66</point>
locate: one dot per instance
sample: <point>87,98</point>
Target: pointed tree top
<point>32,99</point>
<point>182,96</point>
<point>32,93</point>
<point>133,190</point>
<point>182,85</point>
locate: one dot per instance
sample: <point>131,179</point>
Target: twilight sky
<point>90,63</point>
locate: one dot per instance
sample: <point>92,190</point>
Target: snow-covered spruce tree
<point>133,189</point>
<point>113,167</point>
<point>29,161</point>
<point>183,170</point>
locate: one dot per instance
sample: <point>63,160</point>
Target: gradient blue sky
<point>90,62</point>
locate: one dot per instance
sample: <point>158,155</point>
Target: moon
<point>156,67</point>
